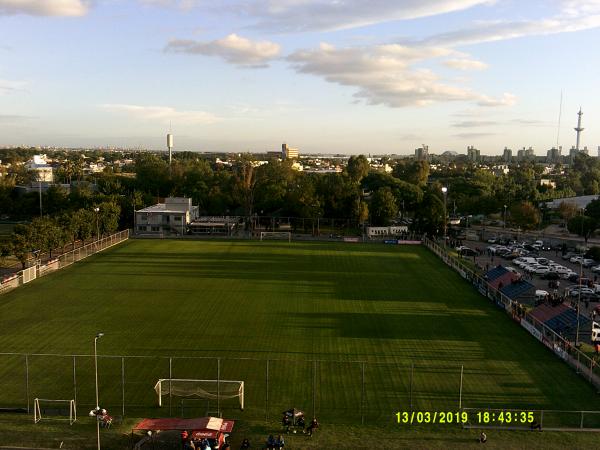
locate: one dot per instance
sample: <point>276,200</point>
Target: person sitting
<point>313,426</point>
<point>270,442</point>
<point>286,422</point>
<point>245,444</point>
<point>279,443</point>
<point>184,438</point>
<point>189,445</point>
<point>300,423</point>
<point>482,438</point>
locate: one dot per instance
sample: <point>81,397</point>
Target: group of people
<point>188,443</point>
<point>275,443</point>
<point>287,423</point>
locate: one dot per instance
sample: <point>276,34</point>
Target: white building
<point>42,169</point>
<point>171,217</point>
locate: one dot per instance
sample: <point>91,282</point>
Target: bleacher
<point>521,291</point>
<point>495,273</point>
<point>563,320</point>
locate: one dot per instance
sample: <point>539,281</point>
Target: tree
<point>109,217</point>
<point>583,226</point>
<point>383,207</point>
<point>358,168</point>
<point>592,209</point>
<point>414,172</point>
<point>569,210</point>
<point>525,215</point>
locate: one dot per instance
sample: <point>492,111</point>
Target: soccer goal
<point>207,389</point>
<point>276,235</point>
<point>46,409</point>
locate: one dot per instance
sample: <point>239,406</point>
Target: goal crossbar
<point>204,389</point>
<point>37,410</point>
<point>283,235</point>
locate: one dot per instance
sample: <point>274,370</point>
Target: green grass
<point>245,302</point>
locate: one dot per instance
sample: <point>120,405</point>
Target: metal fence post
<point>412,368</point>
<point>581,424</point>
<point>267,391</point>
<point>462,368</point>
<point>219,387</point>
<point>314,388</point>
<point>123,386</point>
<point>27,381</point>
<point>170,383</point>
<point>362,395</point>
<point>74,379</point>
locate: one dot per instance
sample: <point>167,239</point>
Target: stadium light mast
<point>97,211</point>
<point>98,336</point>
<point>445,192</point>
<point>504,224</point>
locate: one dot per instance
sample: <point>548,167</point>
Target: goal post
<point>276,235</point>
<point>206,389</point>
<point>41,407</point>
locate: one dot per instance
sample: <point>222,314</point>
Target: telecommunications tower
<point>579,129</point>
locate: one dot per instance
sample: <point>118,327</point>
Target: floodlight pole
<point>445,192</point>
<point>504,223</point>
<point>97,211</point>
<point>98,336</point>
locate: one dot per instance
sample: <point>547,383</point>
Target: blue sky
<point>343,76</point>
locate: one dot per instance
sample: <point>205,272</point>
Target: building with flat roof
<point>171,217</point>
<point>473,154</point>
<point>43,170</point>
<point>289,152</point>
<point>422,153</point>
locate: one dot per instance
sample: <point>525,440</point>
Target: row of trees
<point>47,234</point>
<point>242,187</point>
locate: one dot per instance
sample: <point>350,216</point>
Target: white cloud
<point>474,123</point>
<point>574,15</point>
<point>384,75</point>
<point>233,48</point>
<point>44,7</point>
<point>506,100</point>
<point>303,15</point>
<point>163,114</point>
<point>465,64</point>
<point>7,86</point>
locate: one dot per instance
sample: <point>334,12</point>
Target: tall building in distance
<point>422,153</point>
<point>579,128</point>
<point>525,154</point>
<point>473,154</point>
<point>170,147</point>
<point>289,152</point>
<point>507,155</point>
<point>554,155</point>
<point>572,154</point>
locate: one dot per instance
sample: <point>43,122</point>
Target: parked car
<point>588,262</point>
<point>550,275</point>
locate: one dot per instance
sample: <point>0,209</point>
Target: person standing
<point>312,426</point>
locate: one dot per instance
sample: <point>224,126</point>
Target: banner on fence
<point>532,330</point>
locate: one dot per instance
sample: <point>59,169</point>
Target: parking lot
<point>488,258</point>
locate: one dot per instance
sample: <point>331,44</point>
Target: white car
<point>562,270</point>
<point>596,269</point>
<point>541,270</point>
<point>576,259</point>
<point>584,291</point>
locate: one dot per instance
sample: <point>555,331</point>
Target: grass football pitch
<point>351,331</point>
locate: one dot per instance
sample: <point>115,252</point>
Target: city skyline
<point>326,77</point>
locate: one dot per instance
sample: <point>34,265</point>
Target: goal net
<point>46,409</point>
<point>276,235</point>
<point>207,389</point>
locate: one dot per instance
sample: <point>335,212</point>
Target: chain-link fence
<point>584,365</point>
<point>341,392</point>
<point>66,259</point>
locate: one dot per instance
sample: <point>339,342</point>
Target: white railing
<point>22,277</point>
<point>563,348</point>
